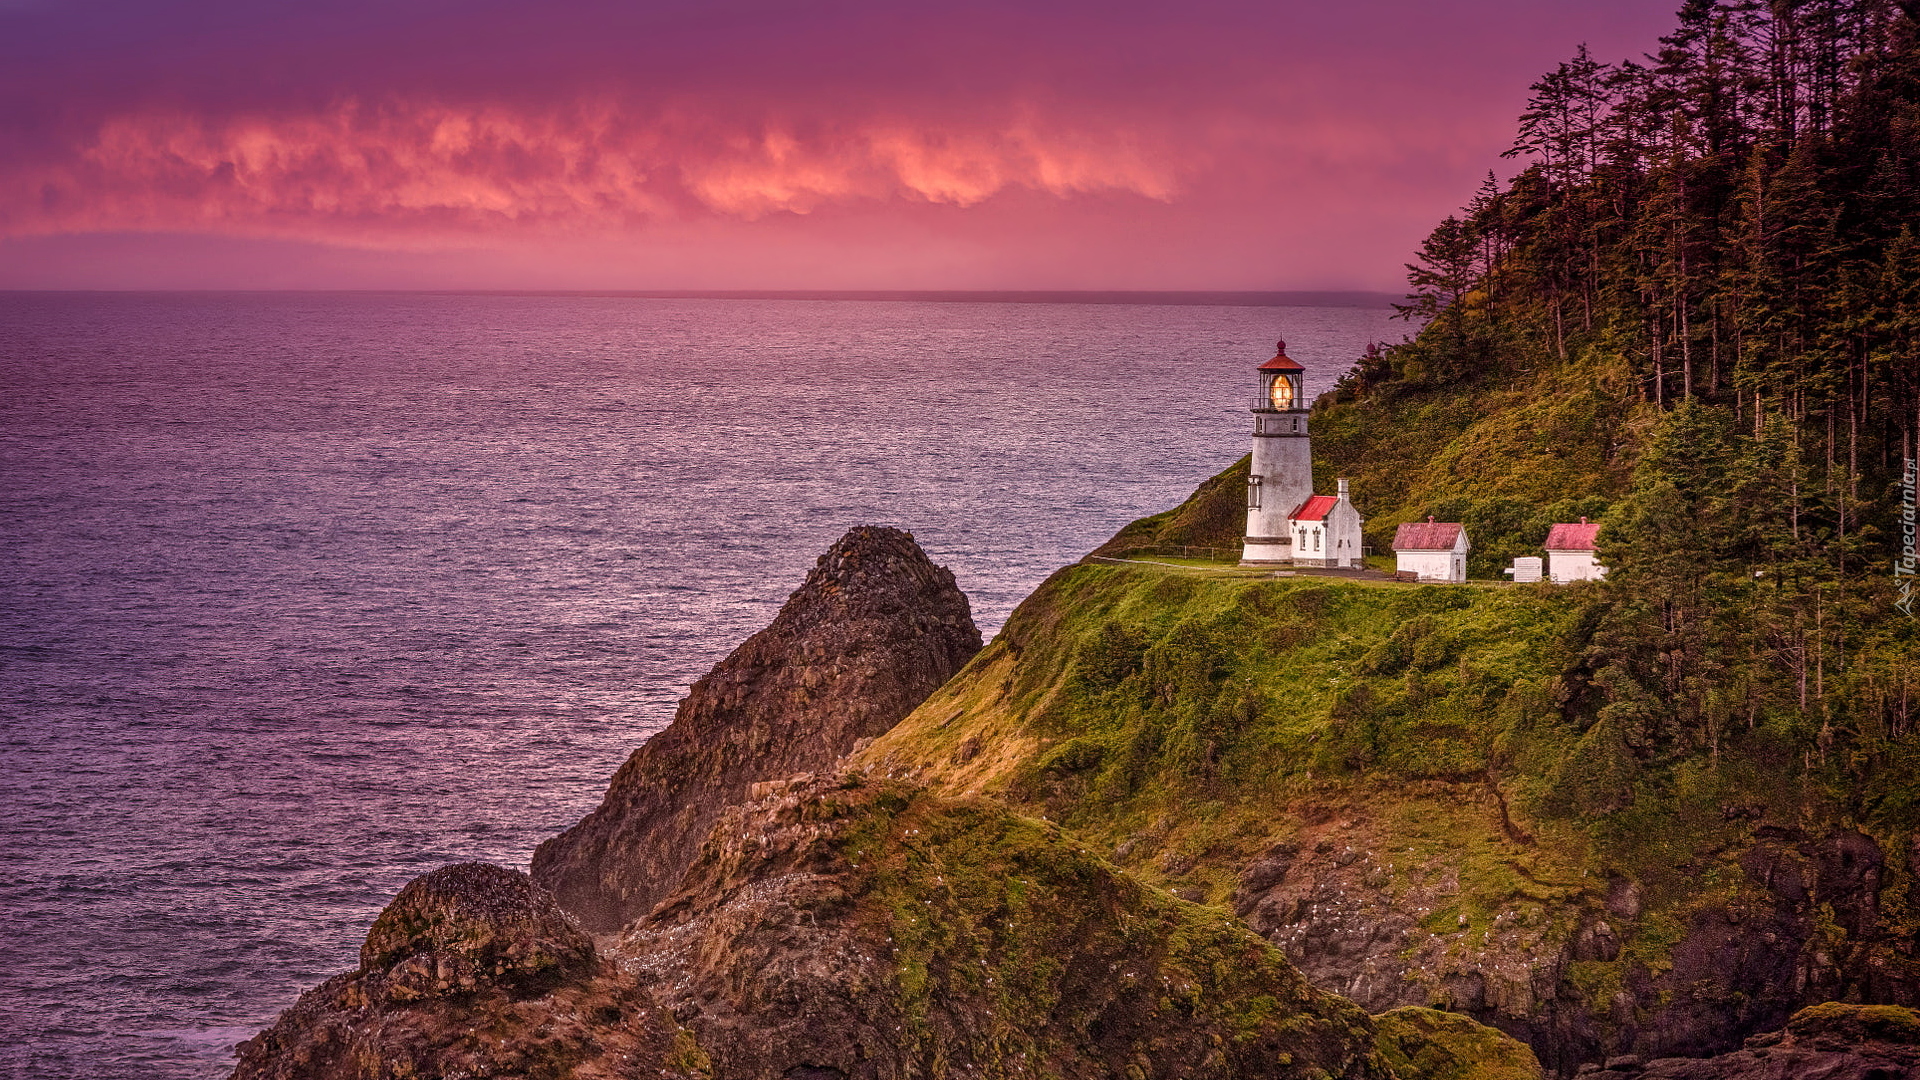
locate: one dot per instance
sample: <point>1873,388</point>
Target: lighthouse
<point>1282,476</point>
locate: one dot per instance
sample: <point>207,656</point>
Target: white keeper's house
<point>1572,553</point>
<point>1326,531</point>
<point>1435,550</point>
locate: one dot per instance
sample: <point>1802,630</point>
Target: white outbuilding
<point>1326,531</point>
<point>1435,550</point>
<point>1572,553</point>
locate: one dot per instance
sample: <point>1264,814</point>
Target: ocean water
<point>303,595</point>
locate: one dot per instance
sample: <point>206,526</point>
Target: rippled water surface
<point>304,595</point>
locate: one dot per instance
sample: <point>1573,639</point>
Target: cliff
<point>1426,797</point>
<point>875,628</point>
<point>1830,1042</point>
<point>848,927</point>
<point>844,928</point>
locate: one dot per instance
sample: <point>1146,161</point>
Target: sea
<point>305,594</point>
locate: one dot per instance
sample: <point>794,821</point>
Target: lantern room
<point>1280,388</point>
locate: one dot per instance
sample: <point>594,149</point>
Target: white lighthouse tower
<point>1282,476</point>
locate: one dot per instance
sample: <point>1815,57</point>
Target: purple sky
<point>581,144</point>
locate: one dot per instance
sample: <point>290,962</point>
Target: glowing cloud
<point>404,169</point>
<point>1209,144</point>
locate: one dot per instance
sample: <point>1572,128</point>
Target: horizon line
<point>1170,297</point>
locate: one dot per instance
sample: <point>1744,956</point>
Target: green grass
<point>1119,696</point>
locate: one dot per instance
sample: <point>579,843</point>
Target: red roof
<point>1315,508</point>
<point>1426,536</point>
<point>1280,361</point>
<point>1572,537</point>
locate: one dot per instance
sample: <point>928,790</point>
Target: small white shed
<point>1435,550</point>
<point>1525,569</point>
<point>1571,553</point>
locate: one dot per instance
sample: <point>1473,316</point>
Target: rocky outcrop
<point>1831,1041</point>
<point>1593,974</point>
<point>474,971</point>
<point>874,630</point>
<point>859,930</point>
<point>1363,918</point>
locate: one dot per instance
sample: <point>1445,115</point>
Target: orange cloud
<point>401,173</point>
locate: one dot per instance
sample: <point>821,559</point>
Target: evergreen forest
<point>1693,313</point>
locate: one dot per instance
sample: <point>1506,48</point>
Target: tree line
<point>1732,221</point>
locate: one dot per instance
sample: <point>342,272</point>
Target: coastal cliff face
<point>473,970</point>
<point>875,629</point>
<point>1405,788</point>
<point>837,926</point>
<point>1599,970</point>
<point>842,928</point>
<point>1832,1041</point>
<point>864,929</point>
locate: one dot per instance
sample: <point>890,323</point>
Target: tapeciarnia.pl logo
<point>1904,569</point>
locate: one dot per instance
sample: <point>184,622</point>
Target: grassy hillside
<point>1170,715</point>
<point>1462,765</point>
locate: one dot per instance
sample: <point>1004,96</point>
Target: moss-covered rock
<point>1832,1041</point>
<point>1448,1046</point>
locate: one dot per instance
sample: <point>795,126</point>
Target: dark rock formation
<point>874,630</point>
<point>474,971</point>
<point>1805,926</point>
<point>1360,923</point>
<point>1823,1042</point>
<point>863,930</point>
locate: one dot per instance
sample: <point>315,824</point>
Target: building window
<point>1253,493</point>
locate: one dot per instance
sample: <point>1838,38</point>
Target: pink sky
<point>589,144</point>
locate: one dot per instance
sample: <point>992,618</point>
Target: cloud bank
<point>1064,145</point>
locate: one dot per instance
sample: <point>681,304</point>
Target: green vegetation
<point>1448,1046</point>
<point>1506,458</point>
<point>1694,316</point>
<point>1475,741</point>
<point>1845,1023</point>
<point>1170,717</point>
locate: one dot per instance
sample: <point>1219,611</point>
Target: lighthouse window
<point>1296,425</point>
<point>1253,493</point>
